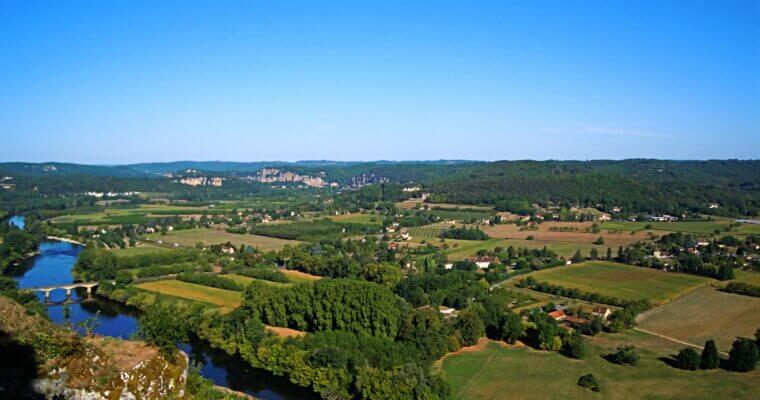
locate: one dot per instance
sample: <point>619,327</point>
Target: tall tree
<point>710,357</point>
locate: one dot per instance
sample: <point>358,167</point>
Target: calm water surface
<point>53,266</point>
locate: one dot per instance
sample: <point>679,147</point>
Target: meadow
<point>189,237</point>
<point>496,372</point>
<point>466,248</point>
<point>245,280</point>
<point>574,232</point>
<point>696,227</point>
<point>357,218</point>
<point>131,214</point>
<point>142,249</point>
<point>225,299</point>
<point>705,313</point>
<point>622,281</point>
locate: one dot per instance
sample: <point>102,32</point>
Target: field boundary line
<point>683,297</point>
<point>673,339</point>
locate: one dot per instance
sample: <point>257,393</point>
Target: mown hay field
<point>705,313</point>
<point>622,281</point>
<point>496,372</point>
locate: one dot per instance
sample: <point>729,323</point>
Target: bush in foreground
<point>589,381</point>
<point>710,357</point>
<point>743,356</point>
<point>624,355</point>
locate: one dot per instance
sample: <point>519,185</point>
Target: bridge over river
<point>67,287</point>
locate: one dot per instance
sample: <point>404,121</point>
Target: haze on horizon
<point>98,83</point>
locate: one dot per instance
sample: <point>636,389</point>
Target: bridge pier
<point>68,295</point>
<point>47,296</point>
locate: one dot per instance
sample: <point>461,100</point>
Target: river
<point>53,266</point>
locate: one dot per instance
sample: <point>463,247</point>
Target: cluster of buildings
<point>110,194</point>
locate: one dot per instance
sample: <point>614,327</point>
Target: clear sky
<point>117,82</point>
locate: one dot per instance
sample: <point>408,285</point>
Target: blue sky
<point>137,81</point>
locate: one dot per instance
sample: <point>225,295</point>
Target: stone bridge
<point>67,287</point>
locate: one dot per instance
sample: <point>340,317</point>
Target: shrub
<point>589,381</point>
<point>743,288</point>
<point>211,280</point>
<point>688,359</point>
<point>625,355</point>
<point>574,346</point>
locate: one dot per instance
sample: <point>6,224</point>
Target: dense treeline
<point>347,305</point>
<point>634,185</point>
<point>311,231</point>
<point>464,234</point>
<point>744,288</point>
<point>264,273</point>
<point>99,264</point>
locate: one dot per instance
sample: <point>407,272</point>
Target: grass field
<point>747,276</point>
<point>465,248</point>
<point>190,237</point>
<point>245,280</point>
<point>495,372</point>
<point>622,281</point>
<point>357,218</point>
<point>126,215</point>
<point>143,249</point>
<point>698,227</point>
<point>547,232</point>
<point>298,276</point>
<point>225,299</point>
<point>703,314</point>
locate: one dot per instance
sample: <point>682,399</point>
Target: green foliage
<point>217,281</point>
<point>710,358</point>
<point>264,273</point>
<point>464,234</point>
<point>743,356</point>
<point>511,327</point>
<point>335,304</point>
<point>164,326</point>
<point>744,288</point>
<point>687,359</point>
<point>470,327</point>
<point>312,231</point>
<point>589,381</point>
<point>624,355</point>
<point>574,346</point>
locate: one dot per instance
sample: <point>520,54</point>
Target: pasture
<point>142,249</point>
<point>357,218</point>
<point>131,214</point>
<point>696,227</point>
<point>622,281</point>
<point>705,313</point>
<point>298,276</point>
<point>189,237</point>
<point>493,371</point>
<point>225,299</point>
<point>245,280</point>
<point>573,232</point>
<point>460,249</point>
<point>431,231</point>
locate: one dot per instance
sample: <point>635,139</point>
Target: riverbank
<point>63,239</point>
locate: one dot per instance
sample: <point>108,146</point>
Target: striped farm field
<point>622,281</point>
<point>226,299</point>
<point>705,313</point>
<point>427,231</point>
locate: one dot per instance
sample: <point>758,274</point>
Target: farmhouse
<point>558,315</point>
<point>483,262</point>
<point>601,312</point>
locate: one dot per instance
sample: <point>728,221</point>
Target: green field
<point>621,281</point>
<point>698,227</point>
<point>705,313</point>
<point>357,218</point>
<point>499,373</point>
<point>747,276</point>
<point>131,215</point>
<point>225,299</point>
<point>245,280</point>
<point>466,248</point>
<point>190,237</point>
<point>426,231</point>
<point>143,249</point>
